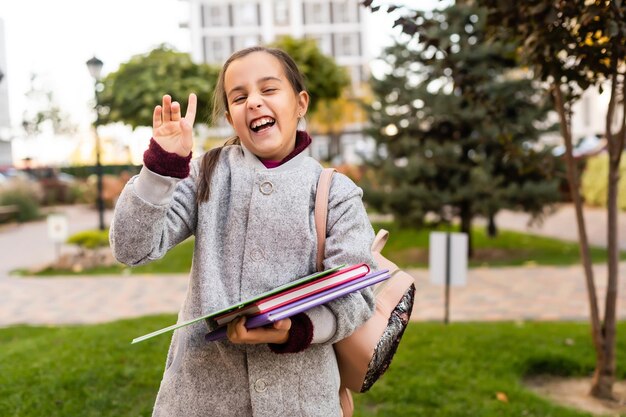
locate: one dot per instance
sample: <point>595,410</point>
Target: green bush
<point>24,197</point>
<point>595,179</point>
<point>90,239</point>
<point>81,192</point>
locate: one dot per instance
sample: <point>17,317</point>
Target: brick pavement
<point>76,300</point>
<point>524,293</point>
<point>527,293</point>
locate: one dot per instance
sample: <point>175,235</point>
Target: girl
<point>250,206</point>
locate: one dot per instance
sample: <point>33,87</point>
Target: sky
<point>55,38</point>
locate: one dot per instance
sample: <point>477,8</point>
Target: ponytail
<point>207,167</point>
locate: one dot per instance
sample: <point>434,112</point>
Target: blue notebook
<point>305,304</point>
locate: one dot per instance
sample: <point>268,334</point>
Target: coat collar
<point>295,161</point>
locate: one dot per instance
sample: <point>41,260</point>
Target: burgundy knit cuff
<point>300,336</point>
<point>165,163</point>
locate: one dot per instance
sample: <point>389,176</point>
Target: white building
<point>6,158</point>
<point>220,27</point>
<point>588,124</point>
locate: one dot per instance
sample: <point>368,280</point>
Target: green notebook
<point>239,305</point>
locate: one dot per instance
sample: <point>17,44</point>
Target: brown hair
<point>220,106</point>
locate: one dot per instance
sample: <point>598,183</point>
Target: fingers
<point>238,333</point>
<point>171,111</point>
<point>167,108</point>
<point>156,117</point>
<point>175,114</point>
<point>187,136</point>
<point>236,330</point>
<point>284,324</point>
<point>192,103</point>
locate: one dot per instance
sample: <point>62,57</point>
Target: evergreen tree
<point>457,125</point>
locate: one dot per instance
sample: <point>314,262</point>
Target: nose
<point>254,101</point>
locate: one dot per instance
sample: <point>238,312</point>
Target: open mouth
<point>262,123</point>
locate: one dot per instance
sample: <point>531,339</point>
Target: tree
<point>129,94</point>
<point>573,45</point>
<point>457,124</point>
<point>43,112</point>
<point>324,78</point>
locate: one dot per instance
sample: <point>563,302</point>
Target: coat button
<point>266,187</point>
<point>260,385</point>
<point>257,254</point>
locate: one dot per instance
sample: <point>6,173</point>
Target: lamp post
<point>95,67</point>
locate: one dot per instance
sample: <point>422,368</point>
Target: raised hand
<point>170,130</point>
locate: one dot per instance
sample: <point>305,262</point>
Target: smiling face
<point>263,106</point>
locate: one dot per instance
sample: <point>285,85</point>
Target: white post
<point>57,230</point>
<point>448,262</point>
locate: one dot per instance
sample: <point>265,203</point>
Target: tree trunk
<point>466,227</point>
<point>572,179</point>
<point>334,145</point>
<point>604,375</point>
<point>492,228</point>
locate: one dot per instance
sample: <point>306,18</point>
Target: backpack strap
<point>381,261</point>
<point>380,240</point>
<point>321,213</point>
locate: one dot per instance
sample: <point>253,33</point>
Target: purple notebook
<point>305,304</point>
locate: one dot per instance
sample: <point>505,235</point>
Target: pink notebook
<point>305,304</point>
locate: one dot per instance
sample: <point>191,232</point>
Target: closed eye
<point>239,99</point>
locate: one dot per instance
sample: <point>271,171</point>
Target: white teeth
<point>260,122</point>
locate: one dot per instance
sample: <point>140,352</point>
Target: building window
<point>324,43</point>
<point>246,14</point>
<point>281,12</point>
<point>246,41</point>
<point>345,11</point>
<point>216,50</point>
<point>358,76</point>
<point>316,12</point>
<point>215,15</point>
<point>347,44</point>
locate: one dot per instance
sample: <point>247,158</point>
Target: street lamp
<point>95,67</point>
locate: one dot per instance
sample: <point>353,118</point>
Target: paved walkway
<point>532,293</point>
<point>526,293</point>
<point>562,224</point>
<point>24,246</point>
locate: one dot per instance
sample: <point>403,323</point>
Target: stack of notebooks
<point>287,300</point>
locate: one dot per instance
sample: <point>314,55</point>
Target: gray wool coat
<point>256,232</point>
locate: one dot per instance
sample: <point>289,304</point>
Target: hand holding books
<point>300,305</point>
<point>278,333</point>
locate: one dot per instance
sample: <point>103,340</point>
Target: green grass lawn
<point>409,248</point>
<point>177,260</point>
<point>453,370</point>
<point>406,247</point>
